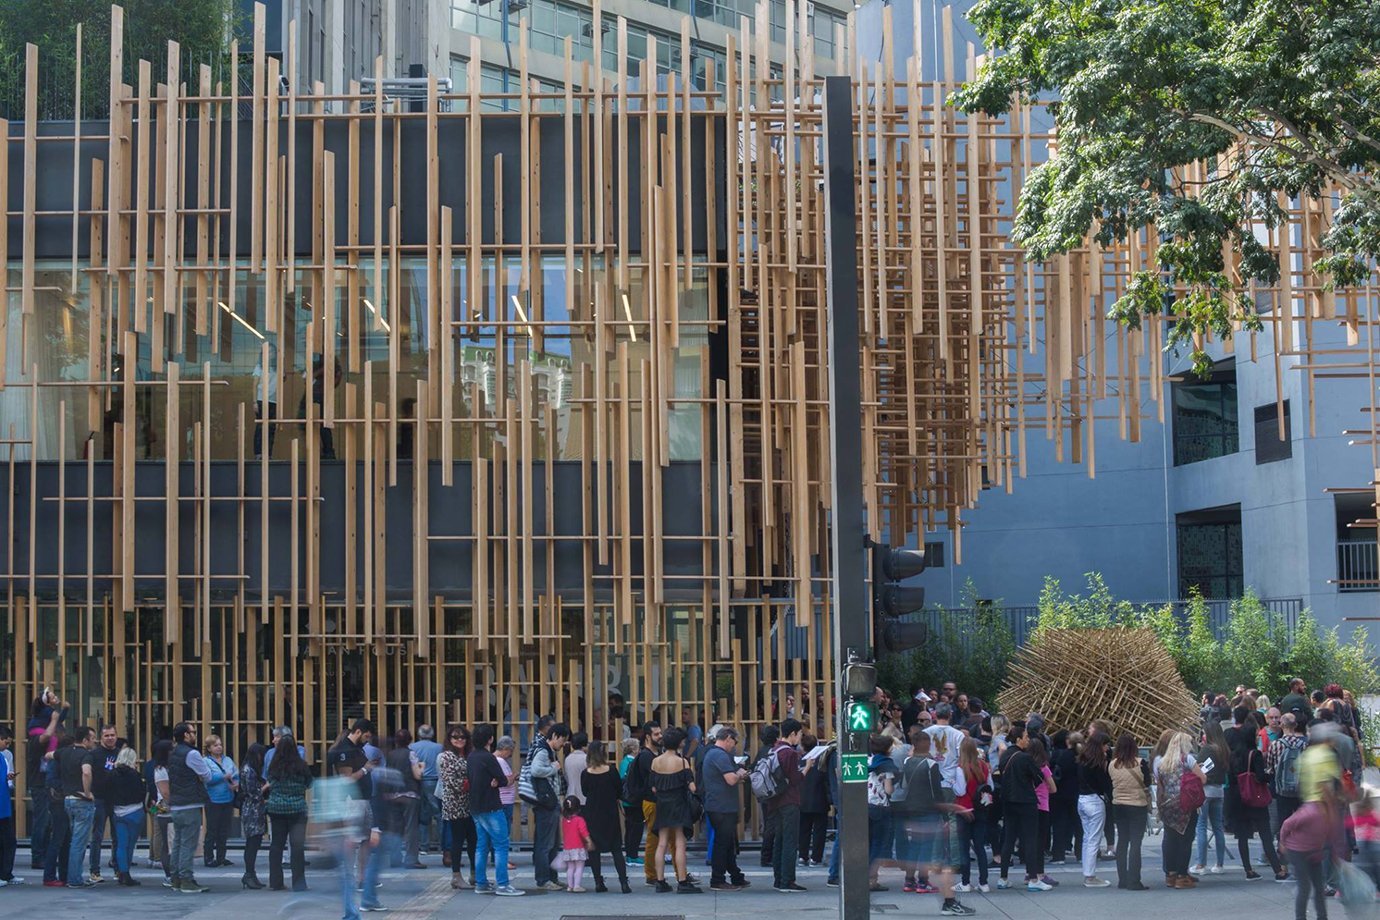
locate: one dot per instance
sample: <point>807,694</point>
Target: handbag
<point>1254,793</point>
<point>694,806</point>
<point>1191,794</point>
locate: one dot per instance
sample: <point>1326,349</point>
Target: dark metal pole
<point>845,423</point>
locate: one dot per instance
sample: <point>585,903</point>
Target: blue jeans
<point>127,829</point>
<point>103,817</point>
<point>81,813</point>
<point>383,854</point>
<point>492,829</point>
<point>834,859</point>
<point>548,821</point>
<point>1211,812</point>
<point>345,852</point>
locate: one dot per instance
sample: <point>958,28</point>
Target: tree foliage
<point>971,645</point>
<point>202,29</point>
<point>1256,646</point>
<point>1280,99</point>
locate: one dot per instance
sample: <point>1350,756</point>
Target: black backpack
<point>634,782</point>
<point>922,788</point>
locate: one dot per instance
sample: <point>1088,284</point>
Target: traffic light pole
<point>849,591</point>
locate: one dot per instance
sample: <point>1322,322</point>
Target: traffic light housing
<point>891,600</point>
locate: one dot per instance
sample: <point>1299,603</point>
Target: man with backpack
<point>763,780</point>
<point>784,817</point>
<point>1282,765</point>
<point>920,806</point>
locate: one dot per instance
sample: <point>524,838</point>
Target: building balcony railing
<point>1358,566</point>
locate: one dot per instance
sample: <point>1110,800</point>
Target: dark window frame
<point>1205,417</point>
<point>1268,447</point>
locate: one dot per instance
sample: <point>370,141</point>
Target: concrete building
<point>1210,497</point>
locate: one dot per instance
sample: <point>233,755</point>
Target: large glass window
<point>1210,558</point>
<point>1205,424</point>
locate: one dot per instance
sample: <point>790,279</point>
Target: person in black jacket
<point>814,808</point>
<point>1063,804</point>
<point>125,791</point>
<point>1251,820</point>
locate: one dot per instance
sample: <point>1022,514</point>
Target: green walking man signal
<point>862,717</point>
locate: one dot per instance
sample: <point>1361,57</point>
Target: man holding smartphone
<point>722,774</point>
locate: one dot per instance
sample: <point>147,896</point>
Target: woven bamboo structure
<point>1121,675</point>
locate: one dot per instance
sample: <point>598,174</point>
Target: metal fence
<point>1022,620</point>
<point>1358,566</point>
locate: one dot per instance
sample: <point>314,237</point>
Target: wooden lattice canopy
<point>1123,676</point>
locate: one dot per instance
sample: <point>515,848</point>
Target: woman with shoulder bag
<point>1179,791</point>
<point>971,822</point>
<point>1251,788</point>
<point>453,788</point>
<point>221,788</point>
<point>1130,808</point>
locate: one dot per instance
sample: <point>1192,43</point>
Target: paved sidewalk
<point>420,894</point>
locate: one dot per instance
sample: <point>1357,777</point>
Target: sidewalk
<point>420,894</point>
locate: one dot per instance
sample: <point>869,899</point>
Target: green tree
<point>1256,647</point>
<point>202,29</point>
<point>1279,99</point>
<point>1201,664</point>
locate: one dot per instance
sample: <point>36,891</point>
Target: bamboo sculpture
<point>1122,675</point>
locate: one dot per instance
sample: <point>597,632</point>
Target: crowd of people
<point>955,796</point>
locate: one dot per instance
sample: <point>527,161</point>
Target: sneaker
<point>376,908</point>
<point>1038,885</point>
<point>192,886</point>
<point>508,891</point>
<point>662,887</point>
<point>551,886</point>
<point>53,883</point>
<point>1095,882</point>
<point>909,886</point>
<point>1053,883</point>
<point>792,888</point>
<point>723,886</point>
<point>925,888</point>
<point>985,888</point>
<point>635,861</point>
<point>953,908</point>
<point>831,883</point>
<point>963,888</point>
<point>877,886</point>
<point>168,882</point>
<point>1055,862</point>
<point>3,883</point>
<point>486,888</point>
<point>15,881</point>
<point>688,887</point>
<point>96,878</point>
<point>1198,870</point>
<point>86,884</point>
<point>1252,875</point>
<point>577,890</point>
<point>1003,884</point>
<point>1216,870</point>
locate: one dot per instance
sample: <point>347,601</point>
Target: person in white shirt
<point>944,744</point>
<point>575,763</point>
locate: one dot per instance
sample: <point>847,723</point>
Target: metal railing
<point>1358,566</point>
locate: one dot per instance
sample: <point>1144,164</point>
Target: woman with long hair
<point>1252,819</point>
<point>452,786</point>
<point>1130,776</point>
<point>1094,786</point>
<point>1043,793</point>
<point>289,777</point>
<point>253,818</point>
<point>971,822</point>
<point>1170,768</point>
<point>162,817</point>
<point>1063,805</point>
<point>1214,747</point>
<point>673,782</point>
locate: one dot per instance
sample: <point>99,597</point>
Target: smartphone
<point>741,760</point>
<point>1207,765</point>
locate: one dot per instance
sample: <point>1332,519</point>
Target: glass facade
<point>1205,423</point>
<point>53,343</point>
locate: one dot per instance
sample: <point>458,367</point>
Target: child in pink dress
<point>575,841</point>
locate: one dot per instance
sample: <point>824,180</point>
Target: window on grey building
<point>1210,552</point>
<point>934,555</point>
<point>1268,446</point>
<point>1205,424</point>
<point>1358,566</point>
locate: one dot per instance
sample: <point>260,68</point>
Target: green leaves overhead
<point>1203,119</point>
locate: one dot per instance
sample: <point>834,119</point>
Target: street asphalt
<point>419,894</point>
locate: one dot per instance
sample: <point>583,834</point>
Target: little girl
<point>576,840</point>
